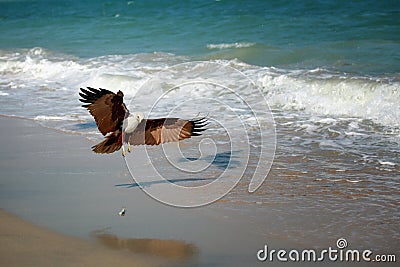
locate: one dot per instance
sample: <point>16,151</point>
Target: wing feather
<point>165,130</point>
<point>107,108</point>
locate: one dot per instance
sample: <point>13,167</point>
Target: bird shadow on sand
<point>224,160</point>
<point>174,181</point>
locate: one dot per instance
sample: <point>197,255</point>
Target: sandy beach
<point>66,200</point>
<point>52,179</point>
<point>25,244</point>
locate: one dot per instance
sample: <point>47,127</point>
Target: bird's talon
<point>123,151</point>
<point>129,147</point>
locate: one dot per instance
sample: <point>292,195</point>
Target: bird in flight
<point>120,127</point>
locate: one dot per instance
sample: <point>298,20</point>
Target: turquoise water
<point>348,36</point>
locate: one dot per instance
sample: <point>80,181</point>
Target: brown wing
<point>110,144</point>
<point>107,108</point>
<point>164,130</point>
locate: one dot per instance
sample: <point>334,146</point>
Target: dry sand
<point>25,244</point>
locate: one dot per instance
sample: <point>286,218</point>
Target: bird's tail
<point>111,143</point>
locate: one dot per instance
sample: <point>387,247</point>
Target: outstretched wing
<point>107,108</point>
<point>164,130</point>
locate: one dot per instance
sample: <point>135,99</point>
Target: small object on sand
<point>122,212</point>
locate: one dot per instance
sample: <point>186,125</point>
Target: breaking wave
<point>324,93</point>
<point>53,81</point>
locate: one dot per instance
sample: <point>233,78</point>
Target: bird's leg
<point>129,147</point>
<point>122,141</point>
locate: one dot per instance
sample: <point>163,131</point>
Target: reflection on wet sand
<point>168,249</point>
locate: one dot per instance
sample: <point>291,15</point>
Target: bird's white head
<point>132,121</point>
<point>137,116</point>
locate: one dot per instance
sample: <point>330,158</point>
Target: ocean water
<point>356,37</point>
<point>329,71</point>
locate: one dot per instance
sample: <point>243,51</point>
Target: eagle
<point>119,126</point>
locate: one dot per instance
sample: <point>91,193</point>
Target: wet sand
<point>68,199</point>
<point>55,181</point>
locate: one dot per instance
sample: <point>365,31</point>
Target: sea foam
<point>53,80</point>
<point>333,95</point>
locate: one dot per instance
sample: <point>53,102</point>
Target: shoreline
<point>69,197</point>
<point>55,183</point>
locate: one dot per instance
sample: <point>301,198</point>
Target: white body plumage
<point>131,122</point>
<point>129,125</point>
